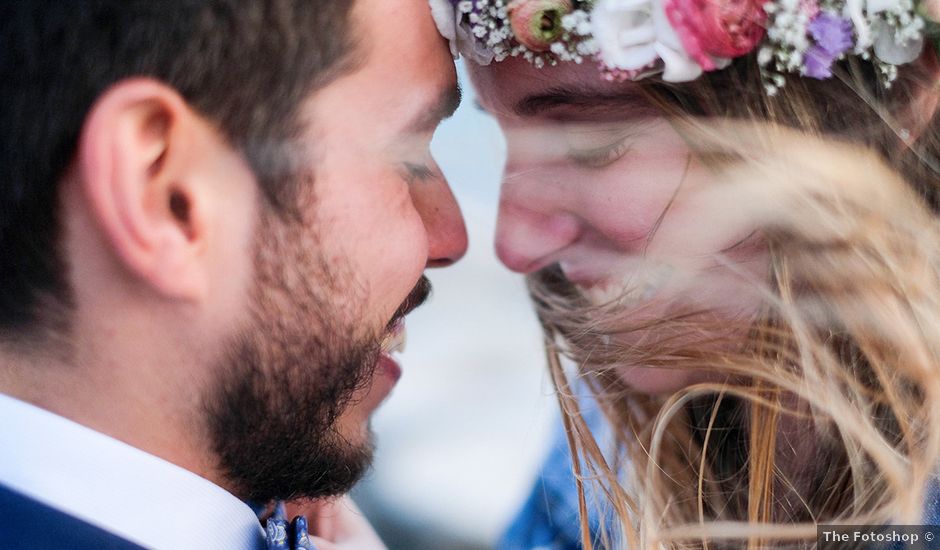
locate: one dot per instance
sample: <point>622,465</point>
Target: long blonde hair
<point>846,350</point>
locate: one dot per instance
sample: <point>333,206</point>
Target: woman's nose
<point>531,232</point>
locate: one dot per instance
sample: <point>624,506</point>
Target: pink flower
<point>537,23</point>
<point>717,28</point>
<point>635,39</point>
<point>930,9</point>
<point>810,7</point>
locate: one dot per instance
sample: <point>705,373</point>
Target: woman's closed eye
<point>600,157</point>
<point>597,146</point>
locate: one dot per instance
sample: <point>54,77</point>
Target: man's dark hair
<point>246,65</point>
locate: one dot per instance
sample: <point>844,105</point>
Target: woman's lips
<point>629,284</point>
<point>586,278</point>
<point>592,278</point>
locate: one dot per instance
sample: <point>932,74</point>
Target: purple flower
<point>831,33</point>
<point>833,37</point>
<point>817,63</point>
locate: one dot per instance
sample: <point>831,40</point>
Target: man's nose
<point>532,227</point>
<point>447,233</point>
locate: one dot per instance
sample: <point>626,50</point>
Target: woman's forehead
<point>508,87</point>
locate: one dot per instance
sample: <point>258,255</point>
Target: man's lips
<point>419,294</point>
<point>389,367</point>
<point>395,333</point>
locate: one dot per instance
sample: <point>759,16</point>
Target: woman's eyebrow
<point>538,104</point>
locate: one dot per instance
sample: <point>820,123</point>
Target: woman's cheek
<point>626,209</point>
<point>653,381</point>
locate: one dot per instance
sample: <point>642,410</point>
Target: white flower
<point>890,50</point>
<point>765,56</point>
<point>855,10</point>
<point>878,6</point>
<point>450,24</point>
<point>474,49</point>
<point>892,45</point>
<point>445,17</point>
<point>633,35</point>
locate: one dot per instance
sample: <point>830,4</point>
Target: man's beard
<point>287,377</point>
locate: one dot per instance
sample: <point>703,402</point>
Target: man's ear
<point>139,154</point>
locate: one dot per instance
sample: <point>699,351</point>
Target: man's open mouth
<point>395,338</point>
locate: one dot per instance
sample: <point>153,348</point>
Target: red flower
<point>719,28</point>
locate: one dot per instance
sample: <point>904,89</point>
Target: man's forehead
<point>400,33</point>
<point>409,66</point>
<point>440,106</point>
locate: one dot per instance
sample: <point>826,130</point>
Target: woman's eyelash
<point>415,173</point>
<point>601,156</point>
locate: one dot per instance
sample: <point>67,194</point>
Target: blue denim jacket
<point>548,520</point>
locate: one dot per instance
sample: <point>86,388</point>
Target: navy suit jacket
<point>30,525</point>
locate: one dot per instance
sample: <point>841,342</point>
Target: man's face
<point>298,382</point>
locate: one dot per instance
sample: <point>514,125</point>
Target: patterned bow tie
<point>282,535</point>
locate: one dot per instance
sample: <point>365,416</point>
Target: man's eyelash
<point>601,156</point>
<point>415,173</point>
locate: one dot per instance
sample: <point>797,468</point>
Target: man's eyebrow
<point>543,102</point>
<point>443,108</point>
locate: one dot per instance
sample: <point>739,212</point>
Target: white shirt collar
<point>117,487</point>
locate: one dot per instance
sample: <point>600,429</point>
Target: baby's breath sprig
<point>680,40</point>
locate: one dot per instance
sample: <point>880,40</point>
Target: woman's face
<point>601,184</point>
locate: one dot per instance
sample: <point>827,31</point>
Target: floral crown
<point>681,39</point>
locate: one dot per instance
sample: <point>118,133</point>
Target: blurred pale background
<point>460,438</point>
